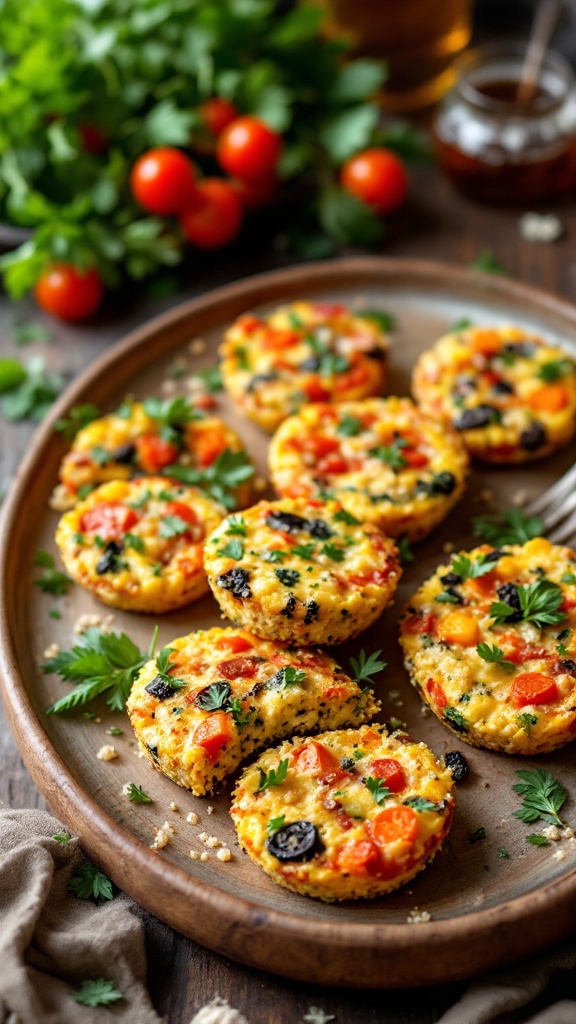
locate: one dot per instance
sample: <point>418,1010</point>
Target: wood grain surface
<point>436,224</point>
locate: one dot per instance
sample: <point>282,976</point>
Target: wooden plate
<point>486,908</point>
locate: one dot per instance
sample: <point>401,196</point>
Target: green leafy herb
<point>211,379</point>
<point>302,550</point>
<point>288,577</point>
<point>460,325</point>
<point>568,577</point>
<point>405,551</point>
<point>331,364</point>
<point>275,555</point>
<point>233,549</point>
<point>236,526</point>
<point>345,517</point>
<point>220,479</point>
<point>131,540</point>
<point>537,840</point>
<point>512,526</point>
<point>99,663</point>
<point>101,456</point>
<point>477,836</point>
<point>469,569</point>
<point>275,777</point>
<point>114,731</point>
<point>78,418</point>
<point>456,719</point>
<point>88,883</point>
<point>420,803</point>
<point>343,217</point>
<point>564,635</point>
<point>62,837</point>
<point>540,603</point>
<point>137,795</point>
<point>33,397</point>
<point>169,412</point>
<point>503,854</point>
<point>495,655</point>
<point>526,720</point>
<point>447,597</point>
<point>285,677</point>
<point>349,426</point>
<point>486,263</point>
<point>214,697</point>
<point>385,321</point>
<point>51,581</point>
<point>378,788</point>
<point>543,796</point>
<point>366,666</point>
<point>163,669</point>
<point>173,526</point>
<point>332,551</point>
<point>234,707</point>
<point>275,823</point>
<point>410,143</point>
<point>554,370</point>
<point>54,613</point>
<point>391,454</point>
<point>100,992</point>
<point>145,498</point>
<point>28,332</point>
<point>12,374</point>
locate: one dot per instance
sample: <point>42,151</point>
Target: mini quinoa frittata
<point>168,437</point>
<point>381,458</point>
<point>490,643</point>
<point>211,698</point>
<point>344,815</point>
<point>302,353</point>
<point>303,571</point>
<point>137,544</point>
<point>511,396</point>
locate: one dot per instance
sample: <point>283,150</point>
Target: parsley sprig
<point>87,882</point>
<point>30,398</point>
<point>391,455</point>
<point>219,480</point>
<point>543,796</point>
<point>79,416</point>
<point>367,665</point>
<point>136,795</point>
<point>495,655</point>
<point>470,569</point>
<point>512,526</point>
<point>99,663</point>
<point>378,788</point>
<point>275,777</point>
<point>51,581</point>
<point>100,992</point>
<point>539,602</point>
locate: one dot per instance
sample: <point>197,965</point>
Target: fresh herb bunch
<point>88,87</point>
<point>543,797</point>
<point>512,526</point>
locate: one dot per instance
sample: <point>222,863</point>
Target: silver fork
<point>557,508</point>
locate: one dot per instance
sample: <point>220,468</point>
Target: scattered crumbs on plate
<point>425,710</point>
<point>202,836</point>
<point>192,817</point>
<point>197,346</point>
<point>61,500</point>
<point>417,916</point>
<point>540,227</point>
<point>212,843</point>
<point>169,386</point>
<point>448,547</point>
<point>194,855</point>
<point>316,1015</point>
<point>204,855</point>
<point>163,835</point>
<point>52,651</point>
<point>559,855</point>
<point>224,854</point>
<point>218,1011</point>
<point>107,753</point>
<point>173,806</point>
<point>209,809</point>
<point>520,498</point>
<point>260,484</point>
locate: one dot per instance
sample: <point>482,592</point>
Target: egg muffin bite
<point>305,352</point>
<point>211,698</point>
<point>490,642</point>
<point>344,815</point>
<point>303,571</point>
<point>137,544</point>
<point>154,436</point>
<point>381,458</point>
<point>510,396</point>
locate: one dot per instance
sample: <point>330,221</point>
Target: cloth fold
<point>51,941</point>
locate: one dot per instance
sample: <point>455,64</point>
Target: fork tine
<point>566,532</point>
<point>563,509</point>
<point>554,494</point>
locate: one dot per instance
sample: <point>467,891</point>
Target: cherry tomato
<point>248,149</point>
<point>216,217</point>
<point>245,667</point>
<point>109,519</point>
<point>163,181</point>
<point>184,512</point>
<point>216,113</point>
<point>391,771</point>
<point>154,453</point>
<point>376,177</point>
<point>235,644</point>
<point>68,293</point>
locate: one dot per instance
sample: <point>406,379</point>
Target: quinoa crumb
<point>173,806</point>
<point>425,710</point>
<point>212,842</point>
<point>106,753</point>
<point>52,651</point>
<point>448,547</point>
<point>552,832</point>
<point>224,854</point>
<point>260,484</point>
<point>61,499</point>
<point>163,836</point>
<point>417,916</point>
<point>520,498</point>
<point>559,855</point>
<point>85,622</point>
<point>168,386</point>
<point>209,809</point>
<point>192,818</point>
<point>567,832</point>
<point>203,836</point>
<point>197,346</point>
<point>205,855</point>
<point>194,855</point>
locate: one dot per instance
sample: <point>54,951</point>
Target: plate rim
<point>356,948</point>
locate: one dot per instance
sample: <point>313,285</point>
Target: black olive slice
<point>236,581</point>
<point>568,666</point>
<point>109,561</point>
<point>124,455</point>
<point>298,841</point>
<point>288,522</point>
<point>319,529</point>
<point>502,387</point>
<point>312,611</point>
<point>451,579</point>
<point>312,363</point>
<point>260,378</point>
<point>509,594</point>
<point>522,349</point>
<point>457,764</point>
<point>533,438</point>
<point>478,416</point>
<point>159,688</point>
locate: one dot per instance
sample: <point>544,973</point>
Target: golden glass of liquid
<point>419,39</point>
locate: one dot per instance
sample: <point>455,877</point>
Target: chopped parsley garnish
<point>211,379</point>
<point>236,526</point>
<point>54,613</point>
<point>366,666</point>
<point>391,455</point>
<point>241,353</point>
<point>378,788</point>
<point>344,517</point>
<point>449,596</point>
<point>503,854</point>
<point>554,370</point>
<point>526,720</point>
<point>477,836</point>
<point>302,550</point>
<point>275,823</point>
<point>539,602</point>
<point>233,549</point>
<point>101,456</point>
<point>79,416</point>
<point>88,883</point>
<point>469,569</point>
<point>568,577</point>
<point>385,321</point>
<point>495,655</point>
<point>172,526</point>
<point>163,666</point>
<point>131,540</point>
<point>460,325</point>
<point>543,796</point>
<point>218,480</point>
<point>405,551</point>
<point>51,581</point>
<point>114,731</point>
<point>456,719</point>
<point>487,263</point>
<point>100,992</point>
<point>512,526</point>
<point>213,697</point>
<point>564,635</point>
<point>62,837</point>
<point>288,577</point>
<point>285,677</point>
<point>169,412</point>
<point>145,498</point>
<point>537,840</point>
<point>137,795</point>
<point>349,426</point>
<point>332,551</point>
<point>234,707</point>
<point>276,555</point>
<point>332,364</point>
<point>275,777</point>
<point>420,803</point>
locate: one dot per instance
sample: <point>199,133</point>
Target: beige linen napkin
<point>51,941</point>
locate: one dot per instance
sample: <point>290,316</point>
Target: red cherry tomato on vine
<point>248,149</point>
<point>255,194</point>
<point>162,181</point>
<point>216,113</point>
<point>378,178</point>
<point>215,218</point>
<point>68,293</point>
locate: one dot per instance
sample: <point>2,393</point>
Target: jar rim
<point>514,51</point>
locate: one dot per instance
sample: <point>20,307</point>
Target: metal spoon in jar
<point>544,24</point>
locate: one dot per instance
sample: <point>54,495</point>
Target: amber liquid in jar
<point>497,150</point>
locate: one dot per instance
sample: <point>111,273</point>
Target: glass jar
<point>498,150</point>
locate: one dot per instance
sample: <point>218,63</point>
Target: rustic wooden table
<point>436,224</point>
